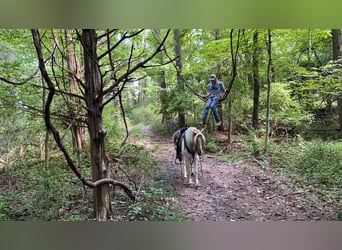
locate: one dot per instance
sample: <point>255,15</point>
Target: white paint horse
<point>192,141</point>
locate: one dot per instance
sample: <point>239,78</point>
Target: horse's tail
<point>198,144</point>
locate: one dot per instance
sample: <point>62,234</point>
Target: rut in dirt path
<point>232,192</point>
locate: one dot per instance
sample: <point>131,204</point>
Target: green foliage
<point>136,161</point>
<point>306,80</point>
<point>314,86</point>
<point>41,192</point>
<point>210,146</point>
<point>178,98</point>
<point>4,206</point>
<point>321,161</point>
<point>154,198</point>
<point>309,165</point>
<point>154,204</point>
<point>286,113</point>
<point>142,115</point>
<point>255,143</point>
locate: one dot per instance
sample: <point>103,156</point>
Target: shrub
<point>287,115</point>
<point>322,161</point>
<point>155,204</point>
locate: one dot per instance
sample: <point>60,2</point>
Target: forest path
<point>234,192</point>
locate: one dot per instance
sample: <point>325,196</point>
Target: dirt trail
<point>232,192</point>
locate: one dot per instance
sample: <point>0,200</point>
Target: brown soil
<point>237,192</point>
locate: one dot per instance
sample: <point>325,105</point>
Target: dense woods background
<point>73,103</point>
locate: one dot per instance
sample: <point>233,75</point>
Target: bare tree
<point>103,81</point>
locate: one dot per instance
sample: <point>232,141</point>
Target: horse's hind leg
<point>185,173</point>
<point>188,169</point>
<point>196,170</point>
<point>184,169</point>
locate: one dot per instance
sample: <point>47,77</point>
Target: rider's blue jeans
<point>211,104</point>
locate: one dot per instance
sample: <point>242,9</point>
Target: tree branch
<point>234,63</point>
<point>138,65</point>
<point>124,118</point>
<point>21,82</point>
<point>54,131</point>
<point>124,37</point>
<point>179,74</point>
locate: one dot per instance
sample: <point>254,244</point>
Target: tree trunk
<point>181,115</point>
<point>77,128</point>
<point>230,123</point>
<point>337,54</point>
<point>337,43</point>
<point>217,36</point>
<point>309,48</point>
<point>97,133</point>
<point>269,50</point>
<point>46,155</point>
<point>162,82</point>
<point>256,82</point>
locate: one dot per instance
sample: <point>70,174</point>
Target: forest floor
<point>237,192</point>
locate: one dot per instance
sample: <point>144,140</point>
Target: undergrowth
<point>36,190</point>
<point>314,165</point>
<point>155,198</point>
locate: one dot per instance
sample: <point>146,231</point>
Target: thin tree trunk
<point>337,43</point>
<point>309,47</point>
<point>256,82</point>
<point>46,140</point>
<point>162,82</point>
<point>97,133</point>
<point>181,115</point>
<point>217,36</point>
<point>337,54</point>
<point>230,123</point>
<point>269,50</point>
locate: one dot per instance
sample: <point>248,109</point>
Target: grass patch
<point>321,161</point>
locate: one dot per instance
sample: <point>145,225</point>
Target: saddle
<point>178,142</point>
